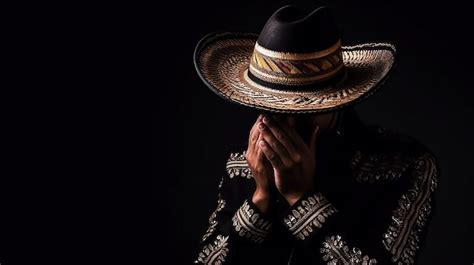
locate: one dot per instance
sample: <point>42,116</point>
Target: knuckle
<point>272,157</point>
<point>297,158</point>
<point>279,136</point>
<point>276,161</point>
<point>270,124</point>
<point>274,144</point>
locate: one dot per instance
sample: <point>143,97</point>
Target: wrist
<point>262,199</point>
<point>292,199</point>
<point>295,197</point>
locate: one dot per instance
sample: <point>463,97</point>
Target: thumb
<point>260,156</point>
<point>314,138</point>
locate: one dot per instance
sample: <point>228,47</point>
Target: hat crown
<point>297,50</point>
<point>293,30</point>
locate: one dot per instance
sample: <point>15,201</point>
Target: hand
<point>261,169</point>
<point>293,161</point>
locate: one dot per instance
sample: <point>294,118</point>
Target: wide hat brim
<point>222,61</point>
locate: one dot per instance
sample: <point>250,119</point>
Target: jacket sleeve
<point>334,235</point>
<point>236,223</point>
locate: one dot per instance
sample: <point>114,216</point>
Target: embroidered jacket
<point>371,204</point>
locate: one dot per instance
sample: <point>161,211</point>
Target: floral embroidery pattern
<point>309,216</point>
<point>215,252</point>
<point>213,219</point>
<point>414,207</point>
<point>237,166</point>
<point>372,167</point>
<point>335,251</point>
<point>408,220</point>
<point>377,167</point>
<point>249,224</point>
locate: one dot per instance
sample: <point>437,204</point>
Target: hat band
<point>296,69</point>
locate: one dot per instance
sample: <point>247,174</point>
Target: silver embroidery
<point>237,166</point>
<point>309,216</point>
<point>215,252</point>
<point>250,224</point>
<point>414,207</point>
<point>408,220</point>
<point>374,167</point>
<point>213,219</point>
<point>335,251</point>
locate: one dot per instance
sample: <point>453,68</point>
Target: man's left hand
<point>293,160</point>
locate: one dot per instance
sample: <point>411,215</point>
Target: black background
<point>430,97</point>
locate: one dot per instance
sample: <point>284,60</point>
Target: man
<point>314,185</point>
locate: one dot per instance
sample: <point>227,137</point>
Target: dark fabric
<point>365,209</point>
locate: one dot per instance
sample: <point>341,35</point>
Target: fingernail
<point>262,143</point>
<point>266,119</point>
<point>261,126</point>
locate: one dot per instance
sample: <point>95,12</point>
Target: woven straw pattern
<point>295,72</point>
<point>223,63</point>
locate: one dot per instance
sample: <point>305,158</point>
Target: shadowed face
<point>305,124</point>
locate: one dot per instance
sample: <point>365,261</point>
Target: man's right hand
<point>261,168</point>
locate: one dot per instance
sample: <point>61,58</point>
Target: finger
<point>275,143</point>
<point>285,123</point>
<point>270,154</point>
<point>314,138</point>
<point>296,138</point>
<point>293,138</point>
<point>261,156</point>
<point>254,126</point>
<point>263,161</point>
<point>259,153</point>
<point>280,135</point>
<point>253,136</point>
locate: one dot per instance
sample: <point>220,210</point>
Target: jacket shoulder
<point>386,154</point>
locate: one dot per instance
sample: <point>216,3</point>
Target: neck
<point>328,122</point>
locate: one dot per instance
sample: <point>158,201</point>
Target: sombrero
<point>295,65</point>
